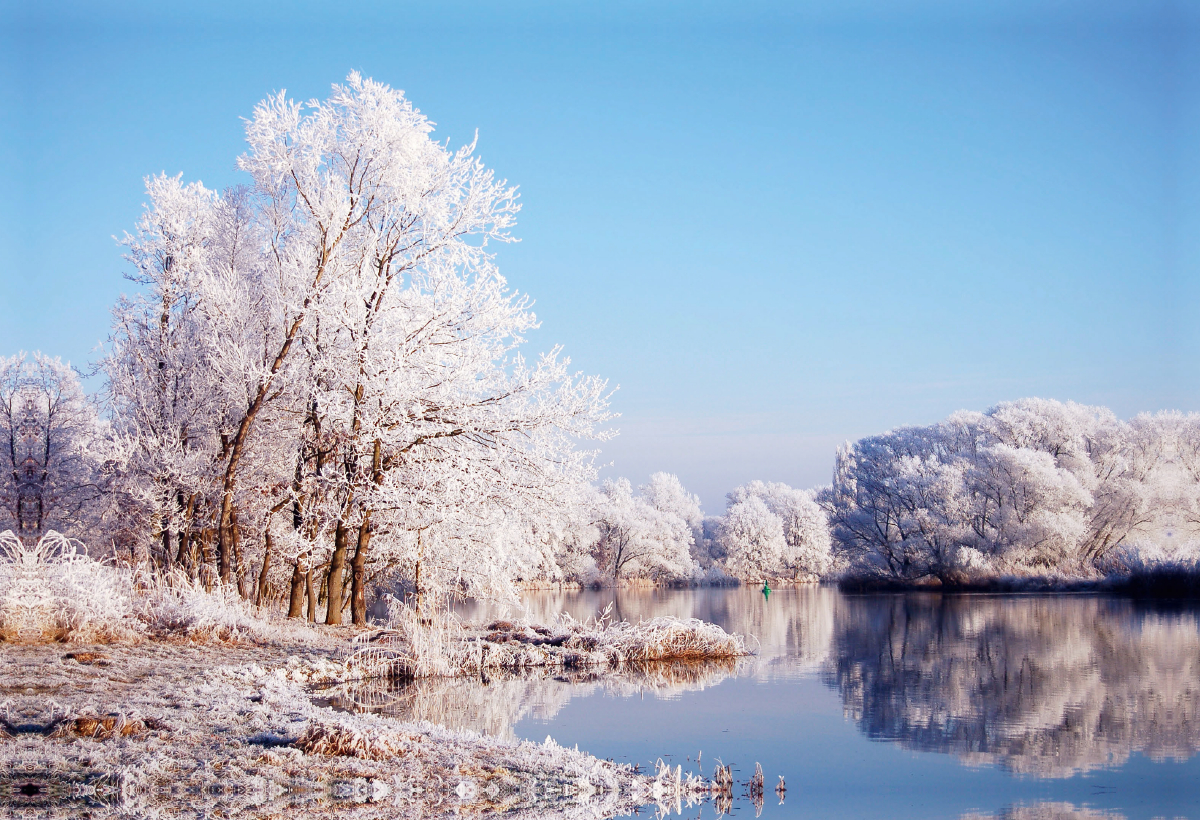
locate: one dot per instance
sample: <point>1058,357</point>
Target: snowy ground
<point>175,729</point>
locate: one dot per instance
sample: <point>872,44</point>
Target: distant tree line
<point>319,390</point>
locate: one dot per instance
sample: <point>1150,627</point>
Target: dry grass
<point>104,728</point>
<point>54,591</point>
<point>343,740</point>
<point>174,605</point>
<point>667,639</point>
<point>441,645</point>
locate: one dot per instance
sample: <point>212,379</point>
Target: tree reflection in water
<point>496,703</point>
<point>1042,685</point>
<point>1049,686</point>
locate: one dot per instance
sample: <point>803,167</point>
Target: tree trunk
<point>186,557</point>
<point>310,587</point>
<point>238,443</point>
<point>165,558</point>
<point>358,567</point>
<point>296,598</point>
<point>335,580</point>
<point>418,591</point>
<point>261,593</point>
<point>239,566</point>
<point>206,544</point>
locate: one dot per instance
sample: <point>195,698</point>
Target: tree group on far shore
<point>319,391</point>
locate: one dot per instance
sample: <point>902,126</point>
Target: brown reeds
<point>755,788</point>
<point>104,728</point>
<point>722,788</point>
<point>341,740</point>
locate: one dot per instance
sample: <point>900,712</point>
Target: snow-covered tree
<point>324,366</point>
<point>638,540</point>
<point>753,539</point>
<point>1029,486</point>
<point>805,527</point>
<point>54,455</point>
<point>666,493</point>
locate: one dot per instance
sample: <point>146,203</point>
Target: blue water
<point>896,706</point>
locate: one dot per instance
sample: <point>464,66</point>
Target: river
<point>881,706</point>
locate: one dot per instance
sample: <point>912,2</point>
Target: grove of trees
<point>319,388</point>
<point>1031,486</point>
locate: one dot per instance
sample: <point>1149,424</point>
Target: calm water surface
<point>889,706</point>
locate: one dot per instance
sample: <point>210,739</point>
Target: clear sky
<point>776,226</point>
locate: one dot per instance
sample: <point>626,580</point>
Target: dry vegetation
<point>54,591</point>
<point>179,701</point>
<point>440,645</point>
<point>188,730</point>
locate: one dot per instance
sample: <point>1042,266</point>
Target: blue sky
<point>775,226</point>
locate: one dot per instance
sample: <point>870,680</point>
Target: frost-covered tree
<point>805,527</point>
<point>161,387</point>
<point>323,370</point>
<point>666,493</point>
<point>54,455</point>
<point>753,539</point>
<point>637,540</point>
<point>1030,486</point>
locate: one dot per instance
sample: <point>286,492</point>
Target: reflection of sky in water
<point>1049,706</point>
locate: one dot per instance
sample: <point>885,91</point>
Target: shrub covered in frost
<point>54,591</point>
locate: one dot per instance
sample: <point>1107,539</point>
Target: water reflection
<point>1042,685</point>
<point>791,631</point>
<point>1046,811</point>
<point>493,705</point>
<point>1046,686</point>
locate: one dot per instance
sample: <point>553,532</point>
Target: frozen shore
<point>188,730</point>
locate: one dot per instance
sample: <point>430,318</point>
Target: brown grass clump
<point>104,728</point>
<point>98,658</point>
<point>338,740</point>
<point>669,639</point>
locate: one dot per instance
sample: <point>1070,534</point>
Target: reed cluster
<point>441,645</point>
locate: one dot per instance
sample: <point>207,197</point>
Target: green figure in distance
<point>766,591</point>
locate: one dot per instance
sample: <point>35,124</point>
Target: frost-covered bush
<point>176,605</point>
<point>435,643</point>
<point>1152,556</point>
<point>1155,568</point>
<point>54,591</point>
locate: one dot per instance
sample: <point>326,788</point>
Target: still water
<point>887,706</point>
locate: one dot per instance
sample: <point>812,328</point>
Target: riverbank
<point>1166,583</point>
<point>189,730</point>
